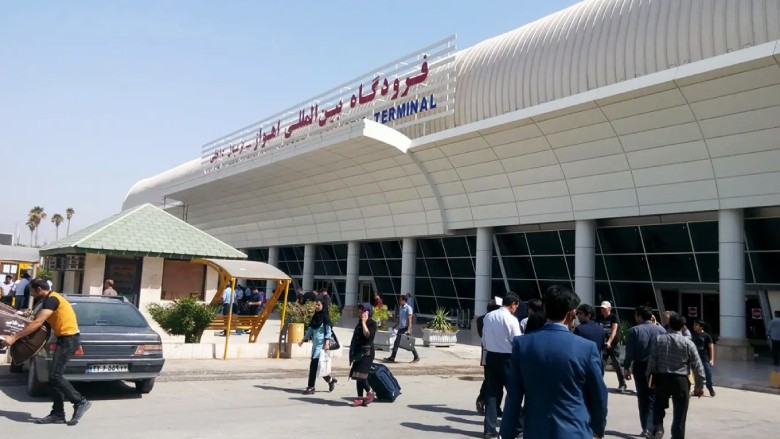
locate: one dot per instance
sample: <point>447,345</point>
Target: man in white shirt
<point>5,290</point>
<point>500,327</point>
<point>227,299</point>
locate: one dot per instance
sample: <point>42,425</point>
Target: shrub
<point>186,316</point>
<point>441,322</point>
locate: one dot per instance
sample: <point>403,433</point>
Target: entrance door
<point>126,274</point>
<point>700,306</point>
<point>366,292</point>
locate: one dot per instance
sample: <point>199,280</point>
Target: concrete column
<point>732,344</point>
<point>353,279</point>
<point>69,284</point>
<point>94,272</point>
<point>308,267</point>
<point>408,265</point>
<point>273,259</point>
<point>585,261</point>
<point>484,267</point>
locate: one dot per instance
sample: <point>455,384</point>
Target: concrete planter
<point>384,340</point>
<point>436,338</point>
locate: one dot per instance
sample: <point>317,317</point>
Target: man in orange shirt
<point>59,314</point>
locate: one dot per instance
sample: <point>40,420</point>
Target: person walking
<point>500,328</point>
<point>774,336</point>
<point>705,345</point>
<point>22,292</point>
<point>610,323</point>
<point>59,314</point>
<point>319,332</point>
<point>665,319</point>
<point>589,329</point>
<point>558,374</point>
<point>639,343</point>
<point>404,325</point>
<point>493,305</point>
<point>672,358</point>
<point>361,354</point>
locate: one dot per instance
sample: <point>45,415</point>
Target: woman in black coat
<point>361,354</point>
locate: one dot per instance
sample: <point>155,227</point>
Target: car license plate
<point>106,368</point>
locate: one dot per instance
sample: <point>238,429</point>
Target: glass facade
<point>635,265</point>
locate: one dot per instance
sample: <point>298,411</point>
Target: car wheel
<point>144,386</point>
<point>17,369</point>
<point>34,386</point>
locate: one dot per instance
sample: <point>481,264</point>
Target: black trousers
<point>61,388</point>
<point>498,367</point>
<point>313,366</point>
<point>678,388</point>
<point>776,351</point>
<point>397,343</point>
<point>613,355</point>
<point>7,299</point>
<point>645,396</point>
<point>483,391</point>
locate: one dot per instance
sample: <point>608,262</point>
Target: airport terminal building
<point>628,148</point>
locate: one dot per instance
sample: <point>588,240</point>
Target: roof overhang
<point>244,269</point>
<point>11,253</point>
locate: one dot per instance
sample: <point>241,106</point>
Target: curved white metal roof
<point>590,45</point>
<point>596,43</point>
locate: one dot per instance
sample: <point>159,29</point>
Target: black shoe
<point>389,360</point>
<point>309,391</point>
<point>332,384</point>
<point>659,434</point>
<point>646,435</point>
<point>51,418</point>
<point>79,410</point>
<point>416,360</point>
<point>712,393</point>
<point>481,408</point>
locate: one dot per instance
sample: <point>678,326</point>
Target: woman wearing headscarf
<point>319,333</point>
<point>361,354</point>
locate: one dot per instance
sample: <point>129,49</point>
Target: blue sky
<point>95,95</point>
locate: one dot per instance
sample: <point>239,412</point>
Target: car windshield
<point>108,314</point>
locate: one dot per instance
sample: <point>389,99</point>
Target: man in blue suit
<point>559,375</point>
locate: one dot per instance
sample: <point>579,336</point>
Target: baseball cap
<point>606,304</point>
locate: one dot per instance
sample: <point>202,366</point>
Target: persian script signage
<point>411,90</point>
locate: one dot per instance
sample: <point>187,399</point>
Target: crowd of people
<point>551,364</point>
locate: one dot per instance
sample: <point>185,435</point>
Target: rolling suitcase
<point>383,383</point>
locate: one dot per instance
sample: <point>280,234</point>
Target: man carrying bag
<point>404,326</point>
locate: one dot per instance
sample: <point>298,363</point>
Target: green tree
<point>31,224</point>
<point>186,316</point>
<point>57,219</point>
<point>68,215</point>
<point>37,214</point>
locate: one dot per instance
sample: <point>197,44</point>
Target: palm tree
<point>57,219</point>
<point>31,225</point>
<point>37,215</point>
<point>68,215</point>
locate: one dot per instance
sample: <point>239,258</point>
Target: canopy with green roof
<point>144,230</point>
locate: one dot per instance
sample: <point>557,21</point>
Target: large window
<point>183,279</point>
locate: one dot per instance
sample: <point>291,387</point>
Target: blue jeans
<point>707,372</point>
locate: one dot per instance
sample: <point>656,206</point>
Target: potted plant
<point>186,316</point>
<point>384,338</point>
<point>439,331</point>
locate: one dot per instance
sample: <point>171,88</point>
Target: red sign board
<point>693,312</point>
<point>756,313</point>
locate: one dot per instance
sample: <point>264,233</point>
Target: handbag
<point>334,341</point>
<point>324,367</point>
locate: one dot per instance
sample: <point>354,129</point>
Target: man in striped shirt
<point>671,359</point>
